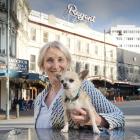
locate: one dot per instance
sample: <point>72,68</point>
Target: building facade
<point>11,64</point>
<point>127,37</point>
<point>89,49</point>
<point>128,66</point>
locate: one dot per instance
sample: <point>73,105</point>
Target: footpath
<point>25,119</point>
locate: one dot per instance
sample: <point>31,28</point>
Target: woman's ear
<point>83,74</point>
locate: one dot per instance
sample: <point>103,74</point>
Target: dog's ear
<point>83,74</point>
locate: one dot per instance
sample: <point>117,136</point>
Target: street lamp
<point>105,32</point>
<point>104,61</point>
<point>7,70</point>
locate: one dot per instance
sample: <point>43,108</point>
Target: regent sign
<point>72,10</point>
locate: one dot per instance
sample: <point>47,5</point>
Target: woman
<point>54,59</point>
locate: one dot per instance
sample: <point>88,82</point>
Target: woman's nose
<point>56,65</point>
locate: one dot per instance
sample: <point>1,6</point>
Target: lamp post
<point>104,61</point>
<point>7,70</point>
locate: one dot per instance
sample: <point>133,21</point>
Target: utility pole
<point>104,61</point>
<point>7,74</point>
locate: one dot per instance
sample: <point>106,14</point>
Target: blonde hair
<point>53,44</point>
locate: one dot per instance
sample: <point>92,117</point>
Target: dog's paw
<point>64,130</point>
<point>96,130</point>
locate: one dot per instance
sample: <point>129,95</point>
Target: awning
<point>24,75</point>
<point>11,73</point>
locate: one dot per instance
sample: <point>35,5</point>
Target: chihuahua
<point>75,97</point>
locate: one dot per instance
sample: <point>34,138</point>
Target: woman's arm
<point>108,115</point>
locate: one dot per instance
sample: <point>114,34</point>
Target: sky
<point>107,12</point>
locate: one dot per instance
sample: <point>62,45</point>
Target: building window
<point>111,54</point>
<point>3,4</point>
<point>139,70</point>
<point>2,47</point>
<point>45,37</point>
<point>33,34</point>
<point>78,66</point>
<point>0,41</point>
<point>131,69</point>
<point>32,62</point>
<point>87,48</point>
<point>96,50</point>
<point>68,42</point>
<point>96,70</point>
<point>57,37</point>
<point>111,72</point>
<point>78,45</point>
<point>13,45</point>
<point>86,66</point>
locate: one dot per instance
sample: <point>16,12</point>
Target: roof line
<point>70,32</point>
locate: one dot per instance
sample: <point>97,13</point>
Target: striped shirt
<point>111,113</point>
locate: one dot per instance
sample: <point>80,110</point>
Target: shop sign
<point>16,64</point>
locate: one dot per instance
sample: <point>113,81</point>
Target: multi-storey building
<point>128,64</point>
<point>90,49</point>
<point>12,34</point>
<point>127,37</point>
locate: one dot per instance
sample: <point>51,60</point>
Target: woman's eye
<point>71,80</point>
<point>62,81</point>
<point>60,60</point>
<point>49,60</point>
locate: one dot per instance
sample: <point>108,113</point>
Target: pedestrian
<point>53,60</point>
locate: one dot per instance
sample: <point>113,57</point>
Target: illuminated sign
<point>73,11</point>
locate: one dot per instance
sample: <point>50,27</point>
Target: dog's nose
<point>64,85</point>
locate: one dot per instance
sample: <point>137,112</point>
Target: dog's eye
<point>71,80</point>
<point>62,81</point>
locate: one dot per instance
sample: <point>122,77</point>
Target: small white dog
<point>75,97</point>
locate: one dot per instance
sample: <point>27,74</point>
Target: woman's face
<point>55,63</point>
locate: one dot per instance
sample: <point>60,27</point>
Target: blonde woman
<point>54,59</point>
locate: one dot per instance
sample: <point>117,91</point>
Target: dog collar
<point>67,99</point>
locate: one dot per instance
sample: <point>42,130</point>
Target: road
<point>130,107</point>
<point>131,110</point>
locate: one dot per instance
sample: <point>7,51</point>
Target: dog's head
<point>71,80</point>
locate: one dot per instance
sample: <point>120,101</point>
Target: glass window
<point>139,70</point>
<point>131,69</point>
<point>45,37</point>
<point>33,34</point>
<point>57,37</point>
<point>96,69</point>
<point>111,53</point>
<point>13,45</point>
<point>87,48</point>
<point>32,62</point>
<point>78,45</point>
<point>68,42</point>
<point>86,66</point>
<point>0,40</point>
<point>96,50</point>
<point>111,72</point>
<point>3,3</point>
<point>2,47</point>
<point>78,65</point>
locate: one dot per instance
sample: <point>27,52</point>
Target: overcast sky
<point>107,12</point>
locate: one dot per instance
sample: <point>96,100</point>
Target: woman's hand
<point>80,116</point>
